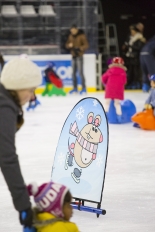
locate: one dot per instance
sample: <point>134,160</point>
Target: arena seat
<point>46,10</point>
<point>27,11</point>
<point>8,11</point>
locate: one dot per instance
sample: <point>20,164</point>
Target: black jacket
<point>133,51</point>
<point>9,163</point>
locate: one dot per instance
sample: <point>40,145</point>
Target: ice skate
<point>145,87</point>
<point>30,107</point>
<point>119,118</point>
<point>66,161</point>
<point>83,91</point>
<point>136,125</point>
<point>73,91</point>
<point>37,102</point>
<point>76,179</point>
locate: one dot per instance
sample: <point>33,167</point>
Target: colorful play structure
<point>144,120</point>
<point>54,84</point>
<point>128,110</point>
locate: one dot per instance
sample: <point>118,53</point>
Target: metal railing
<point>46,22</point>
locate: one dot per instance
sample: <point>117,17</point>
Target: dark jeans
<point>133,71</point>
<point>133,74</point>
<point>77,65</point>
<point>148,67</point>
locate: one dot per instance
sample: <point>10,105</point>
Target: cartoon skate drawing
<point>84,150</point>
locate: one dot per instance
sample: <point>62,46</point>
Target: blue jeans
<point>77,65</point>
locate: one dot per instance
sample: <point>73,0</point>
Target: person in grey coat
<point>19,78</point>
<point>150,102</point>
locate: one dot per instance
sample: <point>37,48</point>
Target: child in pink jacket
<point>114,80</point>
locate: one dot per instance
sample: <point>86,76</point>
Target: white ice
<point>129,190</point>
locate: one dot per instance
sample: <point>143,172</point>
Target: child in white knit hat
<point>19,78</point>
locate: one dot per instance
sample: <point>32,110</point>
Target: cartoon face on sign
<point>84,150</point>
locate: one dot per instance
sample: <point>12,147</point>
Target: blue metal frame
<point>88,209</point>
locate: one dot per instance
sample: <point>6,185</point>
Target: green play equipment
<point>53,90</point>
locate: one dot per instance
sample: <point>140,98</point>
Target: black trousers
<point>77,65</point>
<point>133,71</point>
<point>133,74</point>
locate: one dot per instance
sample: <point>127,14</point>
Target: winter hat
<point>152,78</point>
<point>21,73</point>
<point>140,27</point>
<point>49,197</point>
<point>118,60</point>
<point>109,61</point>
<point>134,27</point>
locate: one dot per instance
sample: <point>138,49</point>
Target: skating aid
<point>81,155</point>
<point>89,209</point>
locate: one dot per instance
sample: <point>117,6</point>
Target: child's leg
<point>107,104</point>
<point>117,107</point>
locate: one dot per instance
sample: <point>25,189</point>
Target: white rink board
<point>65,69</point>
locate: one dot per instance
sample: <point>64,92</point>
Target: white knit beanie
<point>21,73</point>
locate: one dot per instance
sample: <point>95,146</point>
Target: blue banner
<point>63,69</point>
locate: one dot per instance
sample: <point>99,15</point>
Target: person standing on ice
<point>114,80</point>
<point>19,78</point>
<point>77,44</point>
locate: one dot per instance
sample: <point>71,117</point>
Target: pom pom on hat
<point>118,60</point>
<point>152,78</point>
<point>32,189</point>
<point>21,73</point>
<point>49,197</point>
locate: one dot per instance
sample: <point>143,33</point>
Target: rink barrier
<point>89,90</point>
<point>63,68</point>
<point>66,89</point>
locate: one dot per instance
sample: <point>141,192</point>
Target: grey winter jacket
<point>9,163</point>
<point>151,98</point>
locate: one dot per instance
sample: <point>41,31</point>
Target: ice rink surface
<point>129,190</point>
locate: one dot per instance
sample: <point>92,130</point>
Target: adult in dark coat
<point>19,78</point>
<point>132,48</point>
<point>147,61</point>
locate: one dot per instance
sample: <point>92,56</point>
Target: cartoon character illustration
<point>85,146</point>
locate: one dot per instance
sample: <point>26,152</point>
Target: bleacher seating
<point>27,11</point>
<point>46,10</point>
<point>41,22</point>
<point>8,11</point>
